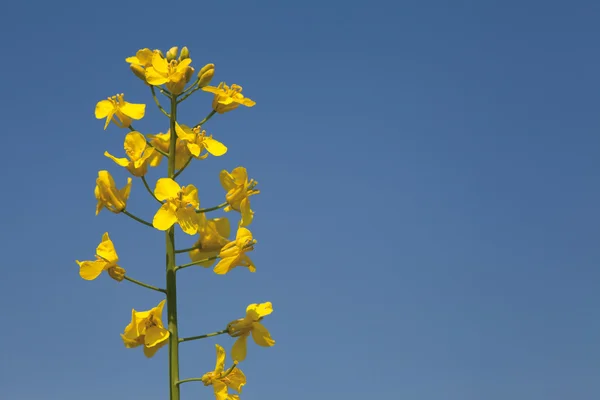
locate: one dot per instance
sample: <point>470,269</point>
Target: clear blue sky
<point>428,225</point>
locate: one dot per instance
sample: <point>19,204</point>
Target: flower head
<point>141,61</point>
<point>227,98</point>
<point>161,141</point>
<point>174,73</point>
<point>146,328</point>
<point>196,141</point>
<point>220,379</point>
<point>242,328</point>
<point>239,189</point>
<point>108,195</point>
<point>213,236</point>
<point>233,254</point>
<point>106,260</point>
<point>180,206</point>
<point>117,110</point>
<point>139,154</point>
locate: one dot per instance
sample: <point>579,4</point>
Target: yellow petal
<point>224,265</point>
<point>151,351</point>
<point>235,380</point>
<point>184,132</point>
<point>227,180</point>
<point>190,195</point>
<point>243,235</point>
<point>90,270</point>
<point>238,351</point>
<point>240,175</point>
<point>104,108</point>
<point>166,188</point>
<point>135,111</point>
<point>260,310</point>
<point>160,64</point>
<point>135,144</point>
<point>247,214</point>
<point>155,336</point>
<point>220,390</point>
<point>165,217</point>
<point>214,147</point>
<point>194,149</point>
<point>213,90</point>
<point>154,78</point>
<point>220,365</point>
<point>222,225</point>
<point>188,220</point>
<point>106,249</point>
<point>124,192</point>
<point>123,162</point>
<point>261,335</point>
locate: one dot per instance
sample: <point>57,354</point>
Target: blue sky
<point>428,220</point>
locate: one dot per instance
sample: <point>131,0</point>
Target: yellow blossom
<point>106,260</point>
<point>197,141</point>
<point>146,328</point>
<point>138,152</point>
<point>213,236</point>
<point>227,98</point>
<point>239,189</point>
<point>108,195</point>
<point>233,254</point>
<point>143,57</point>
<point>180,206</point>
<point>221,380</point>
<point>117,110</point>
<point>161,141</point>
<point>242,328</point>
<point>174,74</point>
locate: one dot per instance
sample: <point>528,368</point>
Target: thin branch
<point>141,221</point>
<point>150,190</point>
<point>158,103</point>
<point>204,210</point>
<point>202,336</point>
<point>144,284</point>
<point>177,268</point>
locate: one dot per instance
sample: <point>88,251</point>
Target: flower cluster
<point>172,76</point>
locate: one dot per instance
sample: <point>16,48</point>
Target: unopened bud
<point>172,53</point>
<point>206,74</point>
<point>139,71</point>
<point>189,72</point>
<point>185,53</point>
<point>160,52</point>
<point>117,273</point>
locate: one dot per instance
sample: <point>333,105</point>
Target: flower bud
<point>189,72</point>
<point>206,74</point>
<point>117,273</point>
<point>160,52</point>
<point>172,53</point>
<point>185,53</point>
<point>139,71</point>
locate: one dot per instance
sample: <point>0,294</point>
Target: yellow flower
<point>197,141</point>
<point>233,254</point>
<point>143,58</point>
<point>226,98</point>
<point>124,112</point>
<point>180,206</point>
<point>242,328</point>
<point>174,74</point>
<point>213,236</point>
<point>238,192</point>
<point>146,328</point>
<point>161,141</point>
<point>106,260</point>
<point>138,152</point>
<point>108,195</point>
<point>221,379</point>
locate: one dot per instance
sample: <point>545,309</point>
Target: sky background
<point>428,220</point>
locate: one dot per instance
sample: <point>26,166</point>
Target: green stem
<point>192,86</point>
<point>144,284</point>
<point>177,268</point>
<point>188,94</point>
<point>182,168</point>
<point>150,190</point>
<point>188,380</point>
<point>202,336</point>
<point>203,210</point>
<point>171,276</point>
<point>158,103</point>
<point>130,215</point>
<point>209,116</point>
<point>165,92</point>
<point>188,249</point>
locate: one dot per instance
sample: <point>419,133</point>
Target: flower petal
<point>238,351</point>
<point>188,220</point>
<point>135,111</point>
<point>259,310</point>
<point>261,335</point>
<point>224,265</point>
<point>165,217</point>
<point>135,144</point>
<point>155,335</point>
<point>214,147</point>
<point>104,108</point>
<point>123,162</point>
<point>220,390</point>
<point>220,365</point>
<point>151,351</point>
<point>166,188</point>
<point>247,213</point>
<point>106,249</point>
<point>155,78</point>
<point>90,270</point>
